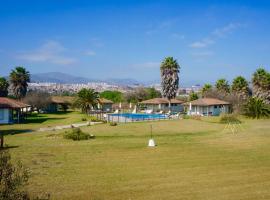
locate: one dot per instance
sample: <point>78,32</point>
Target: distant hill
<point>59,77</point>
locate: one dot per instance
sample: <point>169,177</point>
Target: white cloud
<point>201,44</point>
<point>202,53</point>
<point>51,52</point>
<point>90,53</point>
<point>221,32</point>
<point>216,35</point>
<point>160,26</point>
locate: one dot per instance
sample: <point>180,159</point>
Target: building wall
<point>165,107</point>
<point>214,110</point>
<point>5,116</point>
<point>107,107</point>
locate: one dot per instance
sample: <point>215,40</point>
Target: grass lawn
<point>36,121</point>
<point>193,160</point>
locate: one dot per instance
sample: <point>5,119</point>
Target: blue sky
<point>128,39</point>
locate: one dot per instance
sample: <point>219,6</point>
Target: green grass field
<point>193,160</point>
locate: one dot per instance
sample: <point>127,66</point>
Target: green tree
<point>137,95</point>
<point>3,87</point>
<point>19,79</point>
<point>87,99</point>
<point>169,70</point>
<point>256,108</point>
<point>193,96</point>
<point>240,87</point>
<point>261,85</point>
<point>222,85</point>
<point>152,93</point>
<point>114,96</point>
<point>206,88</point>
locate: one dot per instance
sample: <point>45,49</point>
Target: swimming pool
<point>130,117</point>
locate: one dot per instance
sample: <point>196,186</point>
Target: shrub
<point>256,108</point>
<point>229,118</point>
<point>12,179</point>
<point>113,124</point>
<point>84,119</point>
<point>77,134</point>
<point>196,117</point>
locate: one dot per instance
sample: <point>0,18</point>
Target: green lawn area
<point>36,121</point>
<point>193,160</point>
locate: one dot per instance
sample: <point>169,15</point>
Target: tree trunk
<point>2,141</point>
<point>170,105</point>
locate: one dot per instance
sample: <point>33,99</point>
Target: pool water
<point>135,117</point>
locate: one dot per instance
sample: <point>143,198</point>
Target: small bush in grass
<point>84,119</point>
<point>196,117</point>
<point>77,134</point>
<point>229,118</point>
<point>113,124</point>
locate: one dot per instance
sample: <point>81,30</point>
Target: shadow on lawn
<point>14,131</point>
<point>41,119</point>
<point>6,147</point>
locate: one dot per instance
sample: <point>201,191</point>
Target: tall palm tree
<point>87,99</point>
<point>206,88</point>
<point>261,85</point>
<point>3,87</point>
<point>19,79</point>
<point>169,70</point>
<point>222,86</point>
<point>240,87</point>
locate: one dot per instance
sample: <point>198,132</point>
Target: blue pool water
<point>137,116</point>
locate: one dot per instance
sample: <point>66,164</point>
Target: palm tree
<point>3,87</point>
<point>206,88</point>
<point>256,108</point>
<point>193,96</point>
<point>261,85</point>
<point>240,87</point>
<point>87,99</point>
<point>19,79</point>
<point>222,86</point>
<point>169,70</point>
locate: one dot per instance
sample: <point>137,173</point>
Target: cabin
<point>59,103</point>
<point>105,105</point>
<point>207,107</point>
<point>12,111</point>
<point>162,105</point>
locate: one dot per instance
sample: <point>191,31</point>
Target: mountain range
<point>59,77</point>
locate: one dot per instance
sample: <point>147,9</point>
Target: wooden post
<point>2,140</point>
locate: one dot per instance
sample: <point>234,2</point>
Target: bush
<point>13,179</point>
<point>196,117</point>
<point>229,118</point>
<point>77,134</point>
<point>84,119</point>
<point>113,124</point>
<point>256,108</point>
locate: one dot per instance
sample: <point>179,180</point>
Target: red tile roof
<point>11,103</point>
<point>161,101</point>
<point>207,102</point>
<point>105,101</point>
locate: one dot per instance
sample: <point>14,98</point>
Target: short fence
<point>119,118</point>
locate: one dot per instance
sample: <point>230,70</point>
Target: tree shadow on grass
<point>41,119</point>
<point>6,147</point>
<point>14,131</point>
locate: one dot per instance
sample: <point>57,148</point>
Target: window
<point>215,106</point>
<point>220,106</point>
<point>1,114</point>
